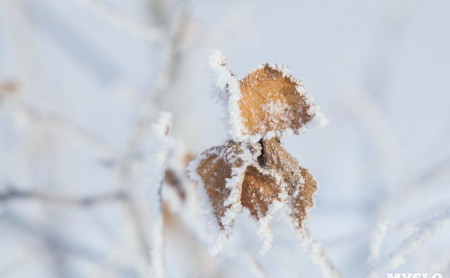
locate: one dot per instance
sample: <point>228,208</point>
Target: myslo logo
<point>414,275</point>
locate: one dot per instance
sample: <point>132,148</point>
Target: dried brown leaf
<point>276,159</point>
<point>259,191</point>
<point>299,182</point>
<point>214,169</point>
<point>272,100</point>
<point>302,199</point>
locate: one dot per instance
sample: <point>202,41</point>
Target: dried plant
<point>252,169</point>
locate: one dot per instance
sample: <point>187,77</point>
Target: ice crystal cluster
<point>252,170</point>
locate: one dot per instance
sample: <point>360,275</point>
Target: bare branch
<point>410,244</point>
<point>376,239</point>
<point>318,255</point>
<point>62,243</point>
<point>142,29</point>
<point>163,144</point>
<point>65,126</point>
<point>13,194</point>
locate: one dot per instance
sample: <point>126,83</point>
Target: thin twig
<point>142,29</point>
<point>62,243</point>
<point>66,127</point>
<point>137,206</point>
<point>163,83</point>
<point>376,239</point>
<point>318,256</point>
<point>163,143</point>
<point>13,194</point>
<point>410,244</point>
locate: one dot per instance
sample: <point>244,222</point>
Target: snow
<point>163,126</point>
<point>230,93</point>
<point>201,191</point>
<point>285,71</point>
<point>277,109</point>
<point>264,230</point>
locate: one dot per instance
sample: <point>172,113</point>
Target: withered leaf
<point>273,101</point>
<point>259,191</point>
<point>276,159</point>
<point>256,186</point>
<point>217,166</point>
<point>302,199</point>
<point>299,182</point>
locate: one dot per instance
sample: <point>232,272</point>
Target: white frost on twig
<point>376,239</point>
<point>133,26</point>
<point>317,255</point>
<point>427,229</point>
<point>230,93</point>
<point>157,161</point>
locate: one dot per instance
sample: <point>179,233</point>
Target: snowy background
<point>82,83</point>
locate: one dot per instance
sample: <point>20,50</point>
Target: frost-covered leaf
<point>273,103</point>
<point>262,177</point>
<point>302,198</point>
<point>277,160</point>
<point>268,102</point>
<point>259,191</point>
<point>263,194</point>
<point>220,170</point>
<point>297,181</point>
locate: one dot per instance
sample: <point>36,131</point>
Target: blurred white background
<point>82,82</point>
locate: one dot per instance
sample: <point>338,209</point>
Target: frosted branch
<point>128,24</point>
<point>157,161</point>
<point>16,194</point>
<point>25,112</point>
<point>376,239</point>
<point>426,230</point>
<point>318,256</point>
